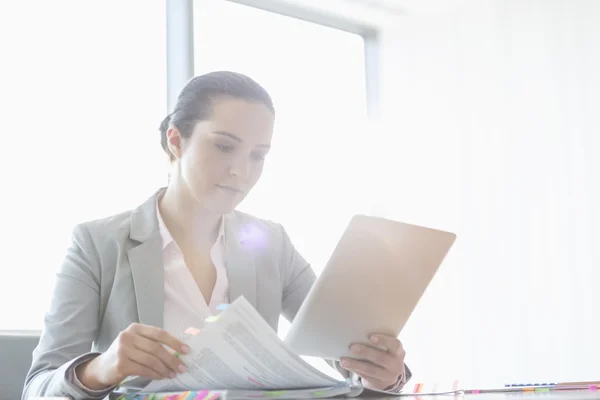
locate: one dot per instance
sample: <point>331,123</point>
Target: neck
<point>187,220</point>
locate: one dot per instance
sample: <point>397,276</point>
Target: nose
<point>240,168</point>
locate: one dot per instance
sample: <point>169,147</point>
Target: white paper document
<point>240,351</point>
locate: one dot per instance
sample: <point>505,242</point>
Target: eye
<point>258,156</point>
<point>225,148</point>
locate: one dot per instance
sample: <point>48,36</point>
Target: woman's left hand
<point>383,368</point>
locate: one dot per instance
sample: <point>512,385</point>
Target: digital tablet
<point>371,284</point>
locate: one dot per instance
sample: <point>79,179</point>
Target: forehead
<point>250,121</point>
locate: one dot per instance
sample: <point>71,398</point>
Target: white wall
<point>82,93</point>
<point>492,122</point>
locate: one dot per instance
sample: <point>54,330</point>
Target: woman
<point>134,282</point>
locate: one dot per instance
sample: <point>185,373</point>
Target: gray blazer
<point>112,276</point>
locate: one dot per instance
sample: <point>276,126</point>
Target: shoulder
<point>242,219</point>
<point>137,224</point>
<point>103,233</point>
<point>114,224</point>
<point>264,231</point>
<point>267,239</point>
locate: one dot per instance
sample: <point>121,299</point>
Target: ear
<point>174,141</point>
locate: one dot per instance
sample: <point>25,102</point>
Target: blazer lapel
<point>240,258</point>
<point>146,263</point>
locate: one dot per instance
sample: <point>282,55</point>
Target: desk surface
<point>556,395</point>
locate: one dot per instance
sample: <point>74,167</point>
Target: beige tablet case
<point>372,282</point>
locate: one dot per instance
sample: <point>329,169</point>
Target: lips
<point>229,189</point>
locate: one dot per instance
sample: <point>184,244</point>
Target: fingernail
<point>355,348</point>
<point>185,349</point>
<point>172,375</point>
<point>374,339</point>
<point>345,363</point>
<point>182,368</point>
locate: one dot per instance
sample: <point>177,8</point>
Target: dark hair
<point>195,100</point>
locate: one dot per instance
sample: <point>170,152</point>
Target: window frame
<point>180,50</point>
<point>180,43</point>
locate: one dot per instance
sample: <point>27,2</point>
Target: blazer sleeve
<point>71,323</point>
<point>397,388</point>
<point>298,277</point>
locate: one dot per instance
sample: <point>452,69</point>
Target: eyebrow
<point>237,139</point>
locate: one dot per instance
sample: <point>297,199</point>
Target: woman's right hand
<point>137,351</point>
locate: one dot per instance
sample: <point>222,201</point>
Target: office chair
<point>15,360</point>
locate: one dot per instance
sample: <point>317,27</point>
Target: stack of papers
<point>239,355</point>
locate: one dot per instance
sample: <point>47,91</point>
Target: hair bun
<point>164,125</point>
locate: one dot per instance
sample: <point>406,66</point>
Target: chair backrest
<point>16,348</point>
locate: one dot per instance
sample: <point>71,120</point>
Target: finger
<point>143,371</point>
<point>391,343</point>
<point>368,370</point>
<point>161,336</point>
<point>156,349</point>
<point>151,362</point>
<point>376,356</point>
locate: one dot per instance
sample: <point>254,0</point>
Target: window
<point>85,95</point>
<point>315,176</point>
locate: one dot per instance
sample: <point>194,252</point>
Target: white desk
<point>555,395</point>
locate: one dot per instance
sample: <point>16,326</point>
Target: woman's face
<point>222,160</point>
